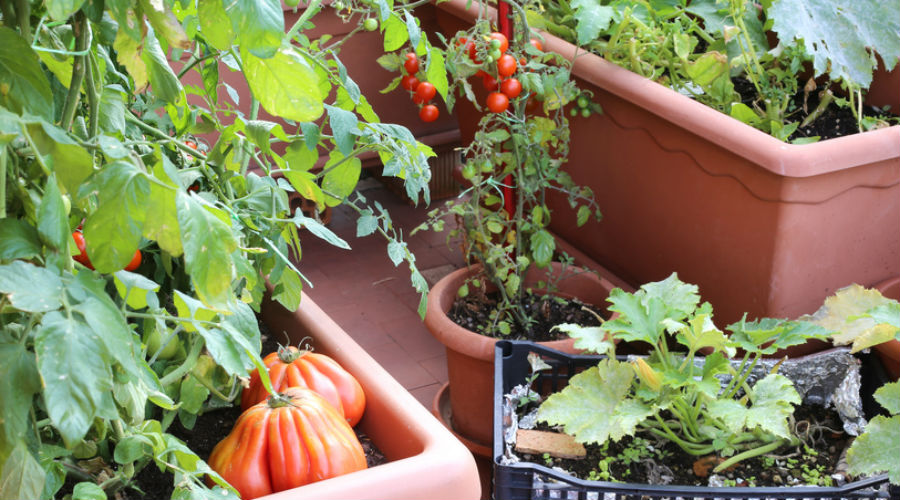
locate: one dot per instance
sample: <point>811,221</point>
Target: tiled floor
<point>373,300</point>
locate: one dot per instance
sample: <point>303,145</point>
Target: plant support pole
<point>504,22</point>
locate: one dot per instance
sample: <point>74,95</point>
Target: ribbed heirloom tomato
<point>291,367</point>
<point>287,441</point>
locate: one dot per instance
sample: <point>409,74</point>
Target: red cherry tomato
<point>429,113</point>
<point>411,65</point>
<point>504,42</point>
<point>511,87</point>
<point>82,257</point>
<point>506,65</point>
<point>489,82</point>
<point>135,261</point>
<point>473,53</point>
<point>424,93</point>
<point>497,102</point>
<point>190,144</point>
<point>409,82</point>
<point>536,44</point>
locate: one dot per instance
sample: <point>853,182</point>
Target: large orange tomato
<point>290,440</point>
<point>291,367</point>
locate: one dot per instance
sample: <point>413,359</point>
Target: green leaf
<point>305,185</point>
<point>112,111</point>
<point>215,24</point>
<point>888,396</point>
<point>165,23</point>
<point>396,251</point>
<point>768,335</point>
<point>708,68</point>
<point>594,407</point>
<point>593,18</point>
<point>163,80</point>
<point>744,113</point>
<point>285,85</point>
<point>260,131</point>
<point>701,332</point>
<point>188,307</point>
<point>587,338</point>
<point>164,227</point>
<point>78,378</point>
<point>133,288</point>
<point>53,222</point>
<point>71,163</point>
<point>132,448</point>
<point>23,86</point>
<point>345,128</point>
<point>300,157</point>
<point>88,491</point>
<point>680,298</point>
<point>19,382</point>
<point>436,72</point>
<point>876,449</point>
<point>259,25</point>
<point>773,398</point>
<point>637,321</point>
<point>192,395</point>
<point>584,213</point>
<point>730,412</point>
<point>342,175</point>
<point>320,230</point>
<point>112,233</point>
<point>22,475</point>
<point>31,288</point>
<point>366,225</point>
<point>840,35</point>
<point>542,247</point>
<point>18,240</point>
<point>288,290</point>
<point>208,244</point>
<point>102,315</point>
<point>395,33</point>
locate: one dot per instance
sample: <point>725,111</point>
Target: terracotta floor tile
<point>425,395</point>
<point>401,366</point>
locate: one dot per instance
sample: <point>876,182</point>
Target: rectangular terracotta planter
<point>424,459</point>
<point>760,225</point>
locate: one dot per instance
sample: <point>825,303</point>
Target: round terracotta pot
<point>889,352</point>
<point>470,355</point>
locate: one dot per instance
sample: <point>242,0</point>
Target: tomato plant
<point>291,367</point>
<point>292,439</point>
<point>100,164</point>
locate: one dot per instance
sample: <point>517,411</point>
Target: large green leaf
<point>71,163</point>
<point>53,223</point>
<point>112,233</point>
<point>344,128</point>
<point>877,449</point>
<point>285,85</point>
<point>60,10</point>
<point>19,382</point>
<point>637,321</point>
<point>18,240</point>
<point>163,226</point>
<point>542,246</point>
<point>102,315</point>
<point>773,400</point>
<point>23,86</point>
<point>77,376</point>
<point>208,244</point>
<point>593,18</point>
<point>840,35</point>
<point>594,407</point>
<point>163,80</point>
<point>31,288</point>
<point>680,298</point>
<point>342,175</point>
<point>259,25</point>
<point>888,396</point>
<point>22,475</point>
<point>214,24</point>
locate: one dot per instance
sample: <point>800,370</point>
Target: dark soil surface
<point>474,312</point>
<point>209,429</point>
<point>835,121</point>
<point>646,460</point>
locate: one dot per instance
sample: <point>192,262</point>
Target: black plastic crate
<point>526,480</point>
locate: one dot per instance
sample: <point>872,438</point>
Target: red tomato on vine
<point>506,65</point>
<point>411,65</point>
<point>497,102</point>
<point>504,42</point>
<point>429,113</point>
<point>424,93</point>
<point>511,87</point>
<point>409,82</point>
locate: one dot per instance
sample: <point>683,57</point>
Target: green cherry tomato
<point>585,113</point>
<point>573,112</point>
<point>468,171</point>
<point>370,24</point>
<point>582,101</point>
<point>153,339</point>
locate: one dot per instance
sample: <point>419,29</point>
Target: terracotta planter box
<point>424,459</point>
<point>761,226</point>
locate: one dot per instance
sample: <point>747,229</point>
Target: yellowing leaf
<point>285,85</point>
<point>845,313</point>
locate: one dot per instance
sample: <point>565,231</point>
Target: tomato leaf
<point>163,80</point>
<point>112,233</point>
<point>31,288</point>
<point>285,85</point>
<point>20,70</point>
<point>19,382</point>
<point>215,24</point>
<point>77,376</point>
<point>165,23</point>
<point>542,247</point>
<point>22,475</point>
<point>259,24</point>
<point>344,126</point>
<point>71,163</point>
<point>88,491</point>
<point>395,33</point>
<point>164,226</point>
<point>208,244</point>
<point>53,223</point>
<point>342,175</point>
<point>18,240</point>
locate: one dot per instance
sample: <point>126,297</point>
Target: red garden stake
<point>504,21</point>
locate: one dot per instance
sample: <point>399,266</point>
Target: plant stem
<point>310,11</point>
<point>93,96</point>
<point>23,15</point>
<point>3,154</point>
<point>755,452</point>
<point>162,135</point>
<point>81,29</point>
<point>9,15</point>
<point>185,367</point>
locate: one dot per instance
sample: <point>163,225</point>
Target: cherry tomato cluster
<point>505,86</point>
<point>422,92</point>
<point>583,107</point>
<point>82,256</point>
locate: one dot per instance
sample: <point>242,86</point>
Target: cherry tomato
<point>135,261</point>
<point>190,144</point>
<point>497,102</point>
<point>409,82</point>
<point>506,65</point>
<point>82,257</point>
<point>411,65</point>
<point>511,87</point>
<point>370,24</point>
<point>194,188</point>
<point>473,52</point>
<point>489,82</point>
<point>536,44</point>
<point>429,113</point>
<point>424,93</point>
<point>500,37</point>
